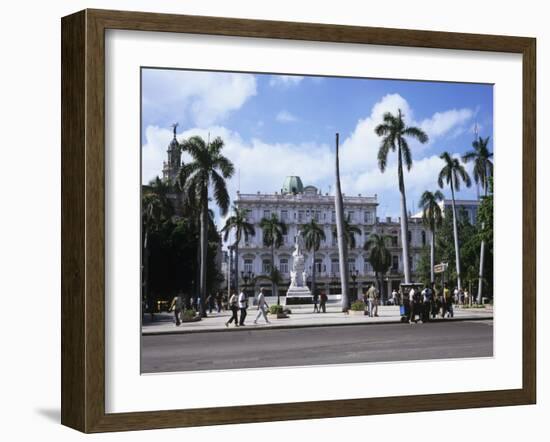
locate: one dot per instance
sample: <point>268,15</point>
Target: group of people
<point>430,301</point>
<point>239,306</point>
<point>320,302</point>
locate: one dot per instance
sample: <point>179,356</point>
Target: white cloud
<point>285,80</point>
<point>198,98</point>
<point>262,166</point>
<point>442,122</point>
<point>285,117</point>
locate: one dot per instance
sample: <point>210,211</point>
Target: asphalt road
<point>316,346</point>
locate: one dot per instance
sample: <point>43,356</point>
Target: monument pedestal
<point>298,295</point>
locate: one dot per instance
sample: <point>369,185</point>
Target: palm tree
<point>242,227</point>
<point>273,232</point>
<point>313,235</point>
<point>483,170</point>
<point>379,256</point>
<point>394,133</point>
<point>208,168</point>
<point>155,208</point>
<point>342,249</point>
<point>453,173</point>
<point>349,232</point>
<point>432,218</point>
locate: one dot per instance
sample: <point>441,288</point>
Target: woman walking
<point>234,309</point>
<point>262,307</point>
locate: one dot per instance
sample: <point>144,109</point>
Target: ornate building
<point>297,204</point>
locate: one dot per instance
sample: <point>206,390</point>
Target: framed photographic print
<point>266,221</point>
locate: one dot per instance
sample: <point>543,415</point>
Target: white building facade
<point>296,205</point>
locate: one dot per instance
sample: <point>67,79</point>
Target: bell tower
<point>172,166</point>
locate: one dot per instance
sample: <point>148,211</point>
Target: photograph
<point>292,220</point>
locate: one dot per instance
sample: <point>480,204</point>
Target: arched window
<point>423,237</point>
<point>266,266</point>
<point>283,265</point>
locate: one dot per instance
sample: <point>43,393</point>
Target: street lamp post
<point>247,276</point>
<point>354,274</point>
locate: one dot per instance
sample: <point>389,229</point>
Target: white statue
<point>298,276</point>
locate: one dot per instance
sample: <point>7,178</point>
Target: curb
<point>286,327</point>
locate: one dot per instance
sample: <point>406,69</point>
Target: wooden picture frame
<point>83,220</point>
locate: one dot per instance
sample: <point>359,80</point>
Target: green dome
<point>292,184</point>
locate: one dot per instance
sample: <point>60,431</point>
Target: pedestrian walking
<point>323,303</point>
<point>209,303</point>
<point>315,302</point>
<point>372,293</point>
<point>427,298</point>
<point>243,306</point>
<point>233,305</point>
<point>414,303</point>
<point>366,302</point>
<point>177,307</point>
<point>219,298</point>
<point>394,297</point>
<point>448,302</point>
<point>262,307</point>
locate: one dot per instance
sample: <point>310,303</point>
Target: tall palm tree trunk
<point>432,256</point>
<point>342,248</point>
<point>404,218</point>
<point>313,274</point>
<point>455,232</point>
<point>204,249</point>
<point>237,267</point>
<point>481,262</point>
<point>274,289</point>
<point>481,259</point>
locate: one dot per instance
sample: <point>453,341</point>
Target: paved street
<point>316,346</point>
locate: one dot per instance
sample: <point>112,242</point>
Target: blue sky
<point>276,125</point>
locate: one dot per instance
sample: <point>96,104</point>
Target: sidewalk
<point>301,317</point>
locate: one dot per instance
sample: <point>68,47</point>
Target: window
<point>318,265</point>
<point>366,234</point>
<point>411,264</point>
<point>367,268</point>
<point>368,217</point>
<point>333,218</point>
<point>248,264</point>
<point>334,266</point>
<point>300,216</point>
<point>334,240</point>
<point>351,265</point>
<point>266,266</point>
<point>267,213</point>
<point>395,263</point>
<point>283,264</point>
<point>409,236</point>
<point>423,237</point>
<point>285,240</point>
<point>351,216</point>
<point>393,241</point>
<point>284,215</point>
<point>318,215</point>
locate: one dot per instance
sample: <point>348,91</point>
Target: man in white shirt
<point>394,297</point>
<point>262,307</point>
<point>243,305</point>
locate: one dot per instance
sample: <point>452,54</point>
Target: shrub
<point>189,314</point>
<point>358,306</point>
<point>274,309</point>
